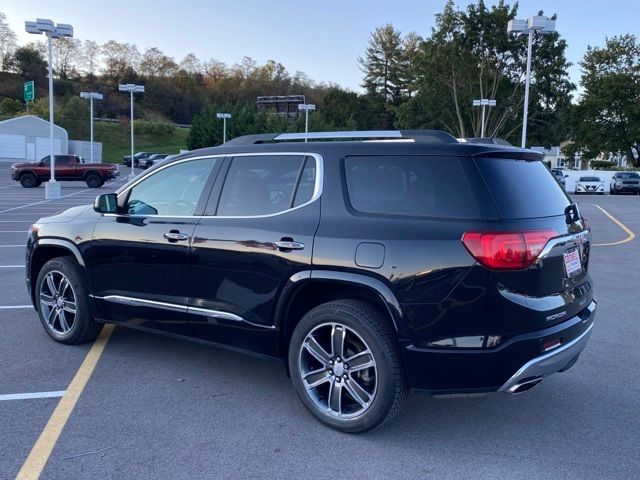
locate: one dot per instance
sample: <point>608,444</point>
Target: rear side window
<point>522,189</point>
<point>267,184</point>
<point>409,185</point>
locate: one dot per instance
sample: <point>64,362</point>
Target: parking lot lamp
<point>307,107</point>
<point>484,103</point>
<point>91,96</point>
<point>224,117</point>
<point>51,30</point>
<point>538,24</point>
<point>131,89</point>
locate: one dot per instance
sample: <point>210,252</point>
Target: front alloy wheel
<point>58,302</point>
<point>62,300</point>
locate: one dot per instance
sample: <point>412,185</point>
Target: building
<point>553,156</point>
<point>27,138</point>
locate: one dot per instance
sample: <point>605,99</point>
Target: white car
<point>590,185</point>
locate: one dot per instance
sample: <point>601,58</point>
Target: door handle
<point>288,245</point>
<point>176,236</point>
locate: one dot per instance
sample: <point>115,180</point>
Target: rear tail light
<point>507,250</point>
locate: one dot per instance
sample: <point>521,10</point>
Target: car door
<point>257,232</point>
<point>139,258</point>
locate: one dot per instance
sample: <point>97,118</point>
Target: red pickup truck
<point>68,168</point>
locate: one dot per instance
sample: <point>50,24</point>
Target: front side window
<point>267,184</point>
<point>172,191</point>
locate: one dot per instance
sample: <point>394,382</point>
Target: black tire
<point>82,327</point>
<point>364,326</point>
<point>28,180</point>
<point>94,180</point>
<point>38,183</point>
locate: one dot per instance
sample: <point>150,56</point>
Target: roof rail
<point>430,136</point>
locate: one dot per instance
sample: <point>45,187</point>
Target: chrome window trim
<point>317,189</point>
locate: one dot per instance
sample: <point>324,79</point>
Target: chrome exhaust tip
<point>524,385</point>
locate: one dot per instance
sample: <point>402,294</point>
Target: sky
<point>322,39</point>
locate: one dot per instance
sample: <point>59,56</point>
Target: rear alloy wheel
<point>62,302</point>
<point>94,180</point>
<point>345,368</point>
<point>28,180</point>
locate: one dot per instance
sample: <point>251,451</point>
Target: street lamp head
<point>91,95</point>
<point>46,26</point>
<point>130,87</point>
<point>536,24</point>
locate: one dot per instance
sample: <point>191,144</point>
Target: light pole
<point>224,117</point>
<point>91,96</point>
<point>46,26</point>
<point>538,24</point>
<point>307,107</point>
<point>484,103</point>
<point>131,89</point>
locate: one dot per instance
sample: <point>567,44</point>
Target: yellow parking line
<point>39,455</point>
<point>630,234</point>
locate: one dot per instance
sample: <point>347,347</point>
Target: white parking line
<point>11,246</point>
<point>28,396</point>
<point>43,201</point>
<point>11,266</point>
<point>15,307</point>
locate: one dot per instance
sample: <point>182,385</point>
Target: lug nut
<point>344,376</point>
<point>338,379</point>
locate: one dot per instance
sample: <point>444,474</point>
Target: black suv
<point>370,267</point>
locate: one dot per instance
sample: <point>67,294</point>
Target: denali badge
<point>556,316</point>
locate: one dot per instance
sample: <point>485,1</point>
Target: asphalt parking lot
<point>156,407</point>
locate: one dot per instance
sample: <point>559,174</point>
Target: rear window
<point>522,189</point>
<point>409,185</point>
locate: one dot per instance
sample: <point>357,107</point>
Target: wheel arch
<point>46,249</point>
<point>308,289</point>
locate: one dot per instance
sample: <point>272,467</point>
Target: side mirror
<point>106,203</point>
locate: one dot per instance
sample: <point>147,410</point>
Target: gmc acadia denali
<point>406,261</point>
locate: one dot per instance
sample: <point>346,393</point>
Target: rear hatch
<point>539,251</point>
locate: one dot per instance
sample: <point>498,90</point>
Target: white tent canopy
<point>27,138</point>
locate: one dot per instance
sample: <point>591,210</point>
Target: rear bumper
<point>522,358</point>
<point>552,362</point>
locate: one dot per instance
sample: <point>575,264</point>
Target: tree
<point>384,67</point>
<point>468,56</point>
<point>191,64</point>
<point>121,59</point>
<point>154,63</point>
<point>29,63</point>
<point>75,118</point>
<point>90,59</point>
<point>67,55</point>
<point>606,121</point>
<point>7,42</point>
<point>10,106</point>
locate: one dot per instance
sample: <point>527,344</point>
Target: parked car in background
<point>68,168</point>
<point>625,182</point>
<point>151,160</point>
<point>126,159</point>
<point>590,185</point>
<point>560,176</point>
<point>368,267</point>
